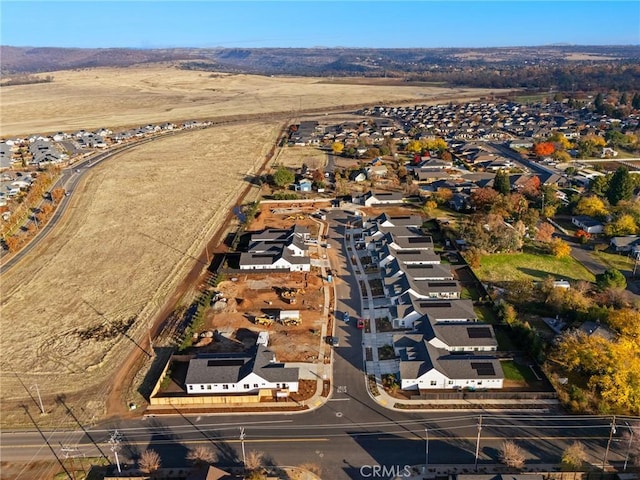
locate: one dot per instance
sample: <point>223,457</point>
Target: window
<point>450,382</point>
<point>225,387</point>
<point>208,387</point>
<point>190,387</point>
<point>284,385</point>
<point>255,385</point>
<point>246,386</point>
<point>201,387</point>
<point>433,383</point>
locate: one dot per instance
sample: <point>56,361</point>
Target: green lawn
<point>517,372</point>
<point>508,267</point>
<point>614,260</point>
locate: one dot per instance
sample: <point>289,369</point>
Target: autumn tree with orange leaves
<point>544,149</point>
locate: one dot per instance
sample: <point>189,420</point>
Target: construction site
<point>293,307</point>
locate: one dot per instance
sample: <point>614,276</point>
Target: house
<point>246,373</point>
<point>386,220</point>
<point>278,249</point>
<point>590,328</point>
<point>588,224</point>
<point>436,271</point>
<point>411,310</point>
<point>628,243</point>
<point>421,289</point>
<point>376,171</point>
<point>387,254</point>
<point>378,198</point>
<point>304,185</point>
<point>424,366</point>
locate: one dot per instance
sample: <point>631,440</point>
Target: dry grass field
<point>294,157</point>
<point>112,97</point>
<point>136,222</point>
<point>133,231</point>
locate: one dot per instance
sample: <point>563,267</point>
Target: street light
<point>626,458</point>
<point>426,448</point>
<point>478,443</point>
<point>611,433</point>
<point>39,398</point>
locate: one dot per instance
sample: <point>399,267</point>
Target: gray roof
<point>399,220</point>
<point>410,256</point>
<point>421,242</point>
<point>437,310</point>
<point>232,368</point>
<point>418,357</point>
<point>403,283</point>
<point>467,334</point>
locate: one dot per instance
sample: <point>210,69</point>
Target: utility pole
<point>478,442</point>
<point>626,458</point>
<point>611,432</point>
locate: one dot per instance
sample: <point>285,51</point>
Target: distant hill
<point>562,66</point>
<point>45,59</point>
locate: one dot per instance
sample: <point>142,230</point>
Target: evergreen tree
<point>623,99</point>
<point>620,187</point>
<point>501,182</point>
<point>598,103</point>
<point>635,101</point>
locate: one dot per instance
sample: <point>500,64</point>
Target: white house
<point>278,249</point>
<point>426,367</point>
<point>588,224</point>
<point>378,198</point>
<point>246,373</point>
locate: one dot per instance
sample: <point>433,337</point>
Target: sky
<point>328,23</point>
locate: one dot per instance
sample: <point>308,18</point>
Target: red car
<point>360,323</point>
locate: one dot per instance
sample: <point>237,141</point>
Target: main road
<point>345,436</point>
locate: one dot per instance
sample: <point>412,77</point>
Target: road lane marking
<point>186,442</point>
<point>474,438</point>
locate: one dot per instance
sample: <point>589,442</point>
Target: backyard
<point>509,267</point>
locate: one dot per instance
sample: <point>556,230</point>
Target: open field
<point>294,157</point>
<point>134,228</point>
<point>507,267</point>
<point>113,97</point>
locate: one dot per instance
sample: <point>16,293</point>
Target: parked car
<point>333,341</point>
<point>360,323</point>
<point>345,317</point>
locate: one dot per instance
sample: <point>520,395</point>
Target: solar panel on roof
<point>225,362</point>
<point>483,368</point>
<point>435,304</point>
<point>419,240</point>
<point>479,332</point>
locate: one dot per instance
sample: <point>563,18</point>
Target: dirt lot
<point>134,96</point>
<point>257,294</point>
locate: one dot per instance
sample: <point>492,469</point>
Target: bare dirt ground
<point>134,96</point>
<point>257,294</point>
<point>136,227</point>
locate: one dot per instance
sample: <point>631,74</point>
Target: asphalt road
<point>69,180</point>
<point>347,433</point>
